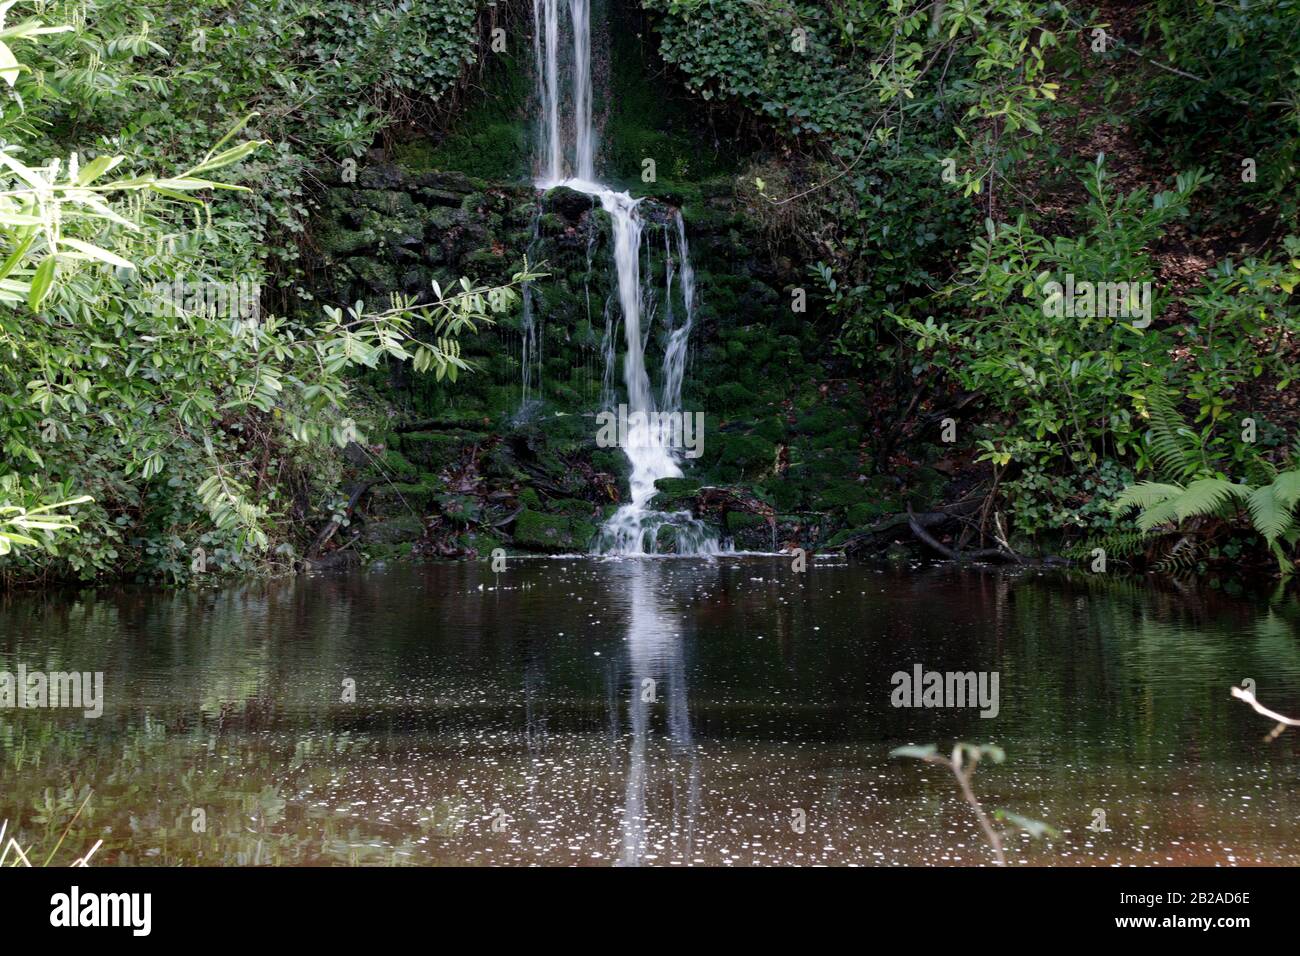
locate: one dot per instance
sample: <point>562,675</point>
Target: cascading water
<point>634,529</point>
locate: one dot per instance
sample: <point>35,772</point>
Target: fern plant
<point>1195,490</point>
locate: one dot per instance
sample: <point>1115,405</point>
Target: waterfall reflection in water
<point>524,693</point>
<point>657,679</point>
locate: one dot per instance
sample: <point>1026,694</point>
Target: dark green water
<point>508,719</point>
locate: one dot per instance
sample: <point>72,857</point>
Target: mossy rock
<point>556,534</point>
<point>786,494</point>
<point>405,527</point>
<point>464,509</point>
<point>866,512</point>
<point>732,396</point>
<point>487,264</point>
<point>568,203</point>
<point>841,494</point>
<point>393,203</point>
<point>839,438</point>
<point>435,449</point>
<point>741,521</point>
<point>392,499</point>
<point>573,507</point>
<point>841,537</point>
<point>676,494</point>
<point>748,532</point>
<point>440,219</point>
<point>338,240</point>
<point>925,484</point>
<point>747,453</point>
<point>500,462</point>
<point>822,419</point>
<point>771,429</point>
<point>553,224</point>
<point>609,461</point>
<point>396,466</point>
<point>483,544</point>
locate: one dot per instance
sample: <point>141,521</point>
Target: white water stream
<point>635,529</point>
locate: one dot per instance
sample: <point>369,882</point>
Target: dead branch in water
<point>984,554</point>
<point>1282,722</point>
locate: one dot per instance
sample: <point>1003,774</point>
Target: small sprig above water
<point>963,762</point>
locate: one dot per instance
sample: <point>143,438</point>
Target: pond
<point>650,711</point>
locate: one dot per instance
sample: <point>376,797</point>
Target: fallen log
<point>983,554</point>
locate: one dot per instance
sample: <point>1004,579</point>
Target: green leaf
<point>1037,829</point>
<point>9,65</point>
<point>42,282</point>
<point>918,753</point>
<point>95,252</point>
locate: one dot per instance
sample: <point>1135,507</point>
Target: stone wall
<point>465,469</point>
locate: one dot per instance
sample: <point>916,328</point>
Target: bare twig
<point>963,775</point>
<point>1282,722</point>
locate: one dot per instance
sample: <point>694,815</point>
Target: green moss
<point>647,121</point>
<point>464,509</point>
<point>573,507</point>
<point>740,521</point>
<point>490,141</point>
<point>747,452</point>
<point>731,397</point>
<point>771,429</point>
<point>819,420</point>
<point>394,499</point>
<point>437,449</point>
<point>840,537</point>
<point>535,531</point>
<point>786,494</point>
<point>395,465</point>
<point>552,224</point>
<point>864,513</point>
<point>483,544</point>
<point>398,528</point>
<point>841,494</point>
<point>676,494</point>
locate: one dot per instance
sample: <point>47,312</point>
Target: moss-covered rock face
<point>559,534</point>
<point>784,438</point>
<point>481,467</point>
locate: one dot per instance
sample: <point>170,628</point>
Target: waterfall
<point>634,529</point>
<point>675,352</point>
<point>530,357</point>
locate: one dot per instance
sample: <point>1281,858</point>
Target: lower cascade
<point>635,528</point>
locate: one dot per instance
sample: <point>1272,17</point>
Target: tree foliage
<point>157,420</point>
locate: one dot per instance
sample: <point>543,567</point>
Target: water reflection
<point>527,693</point>
<point>657,679</point>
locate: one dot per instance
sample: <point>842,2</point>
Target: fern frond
<point>1267,513</point>
<point>1166,512</point>
<point>1286,488</point>
<point>1144,495</point>
<point>1259,470</point>
<point>1176,449</point>
<point>1208,496</point>
<point>1284,564</point>
<point>1183,556</point>
<point>1117,544</point>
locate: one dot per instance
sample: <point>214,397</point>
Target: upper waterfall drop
<point>634,529</point>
